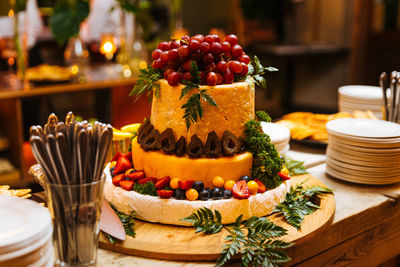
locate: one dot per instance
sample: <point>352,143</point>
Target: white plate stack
<point>363,151</point>
<point>25,233</point>
<point>279,134</point>
<point>361,97</point>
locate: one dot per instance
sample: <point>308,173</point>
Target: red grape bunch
<point>218,62</point>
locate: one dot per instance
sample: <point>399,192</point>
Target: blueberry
<point>204,194</point>
<point>227,194</point>
<point>245,177</point>
<point>210,191</point>
<point>217,193</point>
<point>112,170</point>
<point>199,186</point>
<point>179,194</point>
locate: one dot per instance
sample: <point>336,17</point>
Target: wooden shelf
<point>12,177</point>
<point>4,143</point>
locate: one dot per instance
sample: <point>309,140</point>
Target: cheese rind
<point>157,164</point>
<point>170,211</point>
<point>235,107</point>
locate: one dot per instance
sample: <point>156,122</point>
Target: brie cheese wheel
<point>170,211</point>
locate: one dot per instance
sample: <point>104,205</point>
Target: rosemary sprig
<point>298,203</point>
<point>256,73</point>
<point>256,239</point>
<point>128,221</point>
<point>147,82</point>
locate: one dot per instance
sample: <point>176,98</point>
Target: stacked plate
<point>361,97</point>
<point>279,134</point>
<point>363,151</point>
<point>25,233</point>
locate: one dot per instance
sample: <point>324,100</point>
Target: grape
<point>194,45</point>
<point>159,64</point>
<point>198,37</point>
<point>210,67</point>
<point>187,76</point>
<point>203,77</point>
<point>205,47</point>
<point>222,66</point>
<point>183,51</point>
<point>244,59</point>
<point>227,55</point>
<point>228,76</point>
<point>156,54</point>
<point>209,39</point>
<point>232,39</point>
<point>220,78</point>
<point>164,46</point>
<point>208,58</point>
<point>185,39</point>
<point>237,50</point>
<point>216,38</point>
<point>245,69</point>
<point>167,72</point>
<point>187,65</point>
<point>226,46</point>
<point>212,78</point>
<point>174,78</point>
<point>175,44</point>
<point>173,54</point>
<point>164,56</point>
<point>216,48</point>
<point>235,66</point>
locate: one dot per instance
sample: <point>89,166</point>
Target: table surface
<point>364,232</point>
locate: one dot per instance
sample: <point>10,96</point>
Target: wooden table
<point>12,93</point>
<point>365,230</point>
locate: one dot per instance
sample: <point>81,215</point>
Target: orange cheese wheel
<point>235,107</point>
<point>157,164</point>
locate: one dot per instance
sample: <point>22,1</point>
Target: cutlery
<point>383,85</point>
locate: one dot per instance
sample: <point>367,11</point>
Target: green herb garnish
<point>147,82</point>
<point>145,189</point>
<point>298,203</point>
<point>256,239</point>
<point>266,160</point>
<point>128,222</point>
<point>295,167</point>
<point>256,73</point>
<point>193,108</point>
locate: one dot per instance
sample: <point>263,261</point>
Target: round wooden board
<point>170,242</point>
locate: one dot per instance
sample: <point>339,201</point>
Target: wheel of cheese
<point>235,107</point>
<point>170,211</point>
<point>157,164</point>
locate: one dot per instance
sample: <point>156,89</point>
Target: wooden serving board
<point>170,242</point>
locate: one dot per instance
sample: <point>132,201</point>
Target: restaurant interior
<point>332,93</point>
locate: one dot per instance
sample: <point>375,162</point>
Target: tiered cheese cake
<point>194,151</point>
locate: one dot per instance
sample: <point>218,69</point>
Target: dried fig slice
<point>144,130</point>
<point>212,148</point>
<point>180,148</point>
<point>195,148</point>
<point>230,144</point>
<point>167,141</point>
<point>151,142</point>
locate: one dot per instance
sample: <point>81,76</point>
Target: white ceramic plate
<point>361,91</point>
<point>277,132</point>
<point>364,128</point>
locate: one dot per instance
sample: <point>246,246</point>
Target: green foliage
<point>295,167</point>
<point>256,239</point>
<point>128,222</point>
<point>205,221</point>
<point>263,116</point>
<point>298,203</point>
<point>266,160</point>
<point>256,73</point>
<point>67,18</point>
<point>147,82</point>
<point>145,189</point>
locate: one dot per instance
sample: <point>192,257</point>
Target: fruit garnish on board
<point>196,61</point>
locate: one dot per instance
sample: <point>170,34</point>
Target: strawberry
<point>161,183</point>
<point>137,175</point>
<point>146,180</point>
<point>261,186</point>
<point>117,179</point>
<point>128,156</point>
<point>122,165</point>
<point>127,184</point>
<point>240,190</point>
<point>165,193</point>
<point>186,184</point>
<point>283,176</point>
<point>116,156</point>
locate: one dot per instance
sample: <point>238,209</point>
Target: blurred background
<point>62,55</point>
